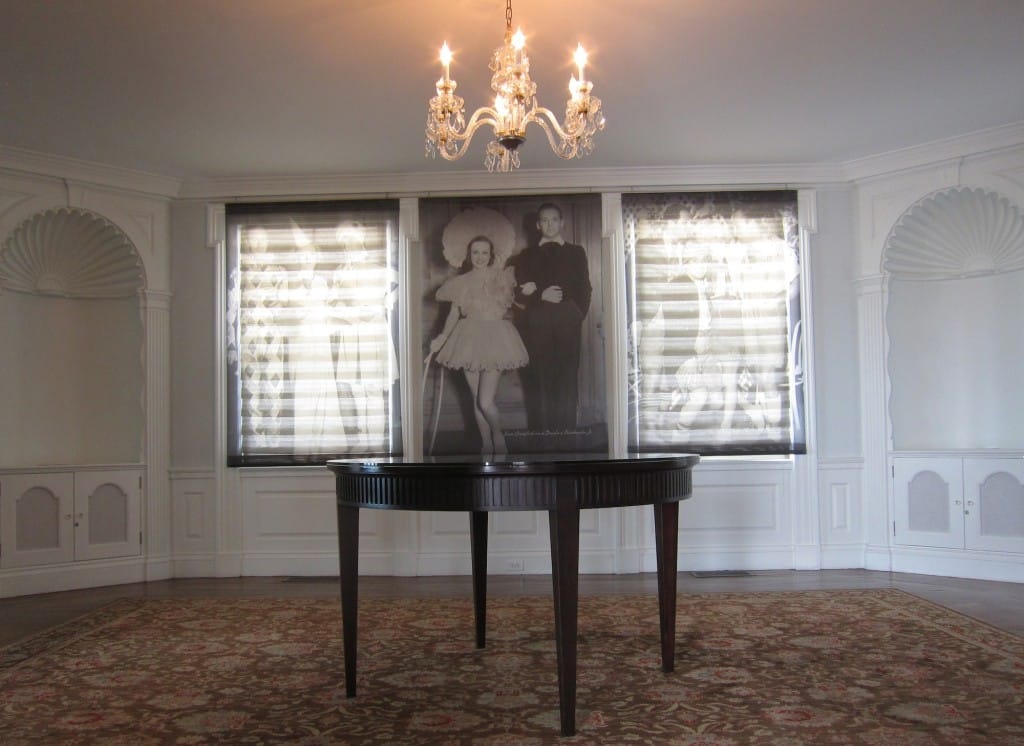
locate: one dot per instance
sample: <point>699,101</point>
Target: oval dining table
<point>561,484</point>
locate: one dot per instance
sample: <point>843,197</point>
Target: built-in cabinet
<point>959,503</point>
<point>948,410</point>
<point>51,517</point>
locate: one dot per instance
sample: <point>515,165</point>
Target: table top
<point>516,482</point>
<point>538,463</point>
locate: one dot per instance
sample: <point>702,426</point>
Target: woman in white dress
<point>477,337</point>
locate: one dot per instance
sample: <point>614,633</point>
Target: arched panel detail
<point>928,501</point>
<point>956,233</point>
<point>71,253</point>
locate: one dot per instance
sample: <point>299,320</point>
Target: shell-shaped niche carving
<point>957,233</point>
<point>71,253</point>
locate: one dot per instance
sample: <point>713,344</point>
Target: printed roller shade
<point>311,332</point>
<point>715,363</point>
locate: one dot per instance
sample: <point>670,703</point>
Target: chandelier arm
<point>564,146</point>
<point>485,115</point>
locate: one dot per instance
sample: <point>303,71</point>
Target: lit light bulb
<point>446,60</point>
<point>580,57</point>
<point>518,40</point>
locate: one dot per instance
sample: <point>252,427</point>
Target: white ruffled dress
<point>483,339</point>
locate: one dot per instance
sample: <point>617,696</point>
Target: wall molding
<point>446,183</point>
<point>112,177</point>
<point>927,155</point>
<point>483,183</point>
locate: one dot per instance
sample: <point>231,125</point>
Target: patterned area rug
<point>817,667</point>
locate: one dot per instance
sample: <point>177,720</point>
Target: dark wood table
<point>560,484</point>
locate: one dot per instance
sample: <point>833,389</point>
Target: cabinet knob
<point>957,502</point>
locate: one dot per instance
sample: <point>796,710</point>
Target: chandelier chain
<point>508,15</point>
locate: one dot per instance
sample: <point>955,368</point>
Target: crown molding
<point>934,152</point>
<point>454,183</point>
<point>98,174</point>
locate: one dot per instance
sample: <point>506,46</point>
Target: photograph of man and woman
<point>512,312</point>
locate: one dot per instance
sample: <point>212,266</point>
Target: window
<point>715,362</point>
<point>311,341</point>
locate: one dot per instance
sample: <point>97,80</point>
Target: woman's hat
<point>477,221</point>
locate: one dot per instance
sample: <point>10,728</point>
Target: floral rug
<point>815,667</point>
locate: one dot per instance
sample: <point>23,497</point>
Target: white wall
<point>830,508</point>
<point>193,274</point>
<point>753,515</point>
<point>72,393</point>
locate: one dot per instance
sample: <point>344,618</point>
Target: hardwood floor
<point>999,604</point>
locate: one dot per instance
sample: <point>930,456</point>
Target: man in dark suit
<point>554,292</point>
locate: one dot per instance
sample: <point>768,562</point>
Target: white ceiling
<point>206,89</point>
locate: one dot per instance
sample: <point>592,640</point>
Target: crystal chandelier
<point>515,107</point>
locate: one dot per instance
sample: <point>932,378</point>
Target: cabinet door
<point>928,502</point>
<point>107,520</point>
<point>36,519</point>
<point>994,504</point>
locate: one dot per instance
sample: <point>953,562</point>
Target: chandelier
<point>515,107</point>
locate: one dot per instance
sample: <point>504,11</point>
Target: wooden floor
<point>999,604</point>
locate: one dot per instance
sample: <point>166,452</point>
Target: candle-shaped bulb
<point>446,60</point>
<point>580,57</point>
<point>518,40</point>
<point>574,87</point>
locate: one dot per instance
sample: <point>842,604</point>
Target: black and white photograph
<point>512,313</point>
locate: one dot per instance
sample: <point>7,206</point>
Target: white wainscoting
<point>739,518</point>
<point>289,525</point>
<point>841,513</point>
<point>194,523</point>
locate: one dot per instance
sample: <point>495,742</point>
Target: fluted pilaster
<point>156,307</point>
<point>874,431</point>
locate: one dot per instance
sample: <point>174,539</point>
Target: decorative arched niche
<point>955,322</point>
<point>72,331</point>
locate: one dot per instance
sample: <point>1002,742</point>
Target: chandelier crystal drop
<point>515,107</point>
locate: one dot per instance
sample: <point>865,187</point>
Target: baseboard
<point>958,563</point>
<point>877,557</point>
<point>228,565</point>
<point>195,566</point>
<point>807,557</point>
<point>159,568</point>
<point>71,576</point>
<point>726,558</point>
<point>842,557</point>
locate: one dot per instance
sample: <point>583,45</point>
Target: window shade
<point>714,323</point>
<point>311,342</point>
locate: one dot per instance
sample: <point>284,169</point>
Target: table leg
<point>666,538</point>
<point>478,538</point>
<point>565,564</point>
<point>348,560</point>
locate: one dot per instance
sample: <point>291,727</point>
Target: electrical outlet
<point>514,565</point>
